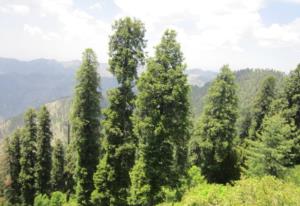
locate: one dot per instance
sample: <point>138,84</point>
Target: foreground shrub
<point>57,199</point>
<point>202,195</point>
<point>41,200</point>
<point>293,175</point>
<point>265,191</point>
<point>193,178</point>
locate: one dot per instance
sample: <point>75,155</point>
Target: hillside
<point>33,83</point>
<point>247,80</point>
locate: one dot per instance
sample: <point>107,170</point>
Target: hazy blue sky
<point>241,33</point>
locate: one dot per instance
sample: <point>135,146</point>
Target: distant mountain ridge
<point>25,84</point>
<point>248,82</point>
<point>199,77</point>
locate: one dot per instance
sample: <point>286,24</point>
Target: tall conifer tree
<point>85,125</point>
<point>125,55</point>
<point>291,102</point>
<point>216,131</point>
<point>271,154</point>
<point>43,163</point>
<point>14,154</point>
<point>28,158</point>
<point>161,124</point>
<point>57,172</point>
<point>262,105</point>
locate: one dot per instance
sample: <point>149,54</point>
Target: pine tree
<point>85,125</point>
<point>58,161</point>
<point>43,155</point>
<point>292,94</point>
<point>140,191</point>
<point>28,158</point>
<point>160,123</point>
<point>126,54</point>
<point>14,155</point>
<point>262,105</point>
<point>70,168</point>
<point>216,132</point>
<point>270,154</point>
<point>291,102</point>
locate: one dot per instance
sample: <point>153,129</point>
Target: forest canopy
<point>149,146</point>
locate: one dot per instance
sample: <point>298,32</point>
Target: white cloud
<point>15,8</point>
<point>215,24</point>
<point>33,30</point>
<point>21,9</point>
<point>211,32</point>
<point>218,30</point>
<point>60,30</point>
<point>279,36</point>
<point>96,6</point>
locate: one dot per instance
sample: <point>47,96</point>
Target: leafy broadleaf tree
<point>85,125</point>
<point>216,132</point>
<point>58,161</point>
<point>270,154</point>
<point>43,155</point>
<point>262,105</point>
<point>28,158</point>
<point>14,154</point>
<point>161,124</point>
<point>126,53</point>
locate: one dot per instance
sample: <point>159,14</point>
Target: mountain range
<point>50,82</point>
<point>25,84</point>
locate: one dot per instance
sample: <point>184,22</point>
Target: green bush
<point>293,175</point>
<point>194,178</point>
<point>265,191</point>
<point>41,200</point>
<point>57,199</point>
<point>71,202</point>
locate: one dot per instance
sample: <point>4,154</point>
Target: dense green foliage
<point>244,149</point>
<point>13,191</point>
<point>161,124</point>
<point>43,162</point>
<point>216,132</point>
<point>28,158</point>
<point>271,153</point>
<point>58,162</point>
<point>85,124</point>
<point>262,105</point>
<point>56,199</point>
<point>125,55</point>
<point>290,103</point>
<point>248,192</point>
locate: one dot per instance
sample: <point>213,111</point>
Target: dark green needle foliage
<point>43,156</point>
<point>28,158</point>
<point>126,53</point>
<point>270,154</point>
<point>85,125</point>
<point>216,132</point>
<point>262,105</point>
<point>292,95</point>
<point>161,124</point>
<point>57,172</point>
<point>291,99</point>
<point>13,192</point>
